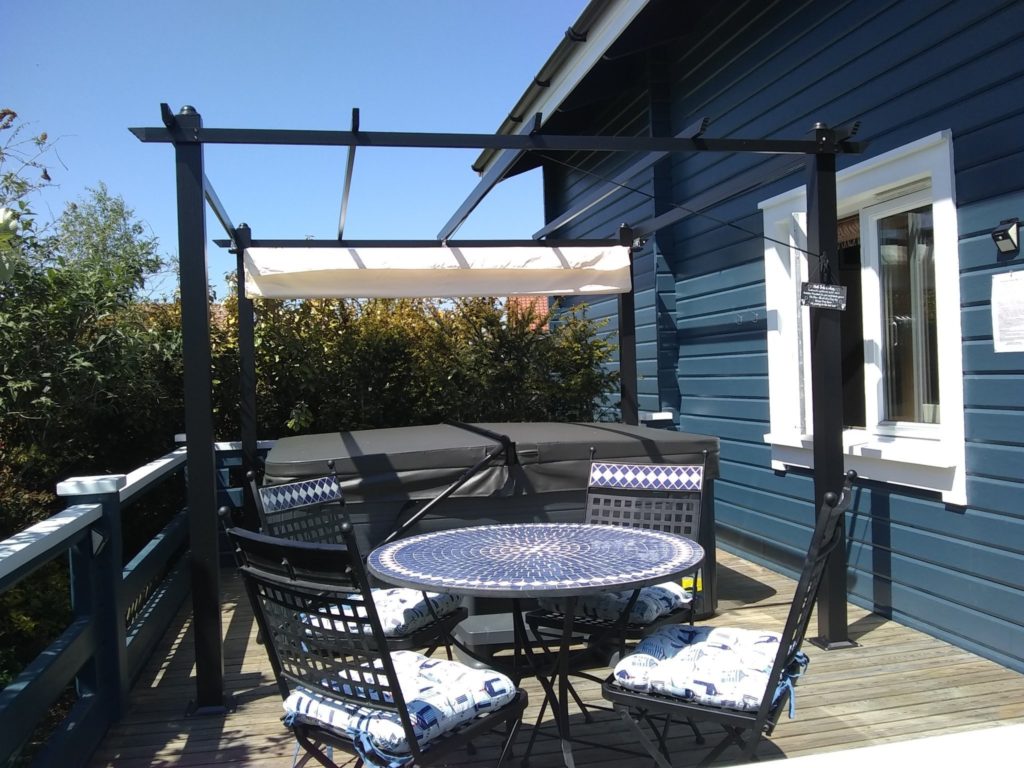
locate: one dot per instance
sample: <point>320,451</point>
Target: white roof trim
<point>611,22</point>
<point>435,272</point>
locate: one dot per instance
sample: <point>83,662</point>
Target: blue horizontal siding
<point>725,386</point>
<point>994,494</point>
<point>995,426</point>
<point>918,71</point>
<point>906,69</point>
<point>724,365</point>
<point>736,407</point>
<point>994,391</point>
<point>742,453</point>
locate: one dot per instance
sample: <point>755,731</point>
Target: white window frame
<point>928,456</point>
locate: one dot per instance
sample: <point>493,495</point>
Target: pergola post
<point>246,374</point>
<point>628,407</point>
<point>200,460</point>
<point>826,378</point>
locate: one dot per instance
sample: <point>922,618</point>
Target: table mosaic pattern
<point>537,559</point>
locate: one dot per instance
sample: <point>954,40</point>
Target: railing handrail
<point>120,611</point>
<point>145,477</point>
<point>27,550</point>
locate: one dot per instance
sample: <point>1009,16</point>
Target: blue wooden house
<point>933,399</point>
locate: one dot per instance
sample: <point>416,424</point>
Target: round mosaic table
<point>535,559</point>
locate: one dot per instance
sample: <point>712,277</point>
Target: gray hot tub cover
<point>420,462</point>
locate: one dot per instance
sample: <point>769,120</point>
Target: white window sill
<point>925,463</point>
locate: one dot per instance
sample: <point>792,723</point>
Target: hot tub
<point>524,472</point>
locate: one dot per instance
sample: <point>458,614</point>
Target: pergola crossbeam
<point>218,209</point>
<point>350,162</point>
<point>532,142</point>
<point>293,243</point>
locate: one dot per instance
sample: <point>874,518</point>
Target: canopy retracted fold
<point>440,271</point>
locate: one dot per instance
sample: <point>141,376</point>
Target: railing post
<point>96,565</point>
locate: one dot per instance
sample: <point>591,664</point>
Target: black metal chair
<point>710,683</point>
<point>313,511</point>
<point>663,497</point>
<point>343,688</point>
<point>306,510</point>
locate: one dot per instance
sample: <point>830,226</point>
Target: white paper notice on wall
<point>1008,312</point>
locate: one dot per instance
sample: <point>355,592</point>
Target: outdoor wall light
<point>1007,236</point>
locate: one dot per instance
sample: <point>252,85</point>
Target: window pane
<point>851,323</point>
<point>907,274</point>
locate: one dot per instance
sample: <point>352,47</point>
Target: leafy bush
<point>90,382</point>
<point>89,379</point>
<point>325,365</point>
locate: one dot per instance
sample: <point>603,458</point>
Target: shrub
<point>325,365</point>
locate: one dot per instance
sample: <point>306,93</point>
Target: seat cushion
<point>652,603</point>
<point>401,611</point>
<point>720,666</point>
<point>439,694</point>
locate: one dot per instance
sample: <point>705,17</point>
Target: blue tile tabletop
<point>535,559</point>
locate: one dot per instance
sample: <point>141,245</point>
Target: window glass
<point>907,280</point>
<point>851,323</point>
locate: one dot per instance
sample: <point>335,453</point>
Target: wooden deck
<point>898,684</point>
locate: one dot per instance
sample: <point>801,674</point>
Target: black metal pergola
<point>186,133</point>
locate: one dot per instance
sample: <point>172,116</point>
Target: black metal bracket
<point>167,116</point>
<point>695,130</point>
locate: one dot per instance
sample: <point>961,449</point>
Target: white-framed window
<point>902,357</point>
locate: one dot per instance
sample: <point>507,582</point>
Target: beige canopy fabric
<point>435,271</point>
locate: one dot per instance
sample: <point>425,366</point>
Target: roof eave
<point>585,42</point>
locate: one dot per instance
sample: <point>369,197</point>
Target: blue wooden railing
<point>119,612</point>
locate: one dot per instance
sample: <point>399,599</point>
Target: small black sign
<point>823,296</point>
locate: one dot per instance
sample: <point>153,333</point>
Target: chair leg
<point>506,749</point>
<point>533,732</point>
<point>732,736</point>
<point>697,735</point>
<point>313,750</point>
<point>750,747</point>
<point>663,735</point>
<point>652,749</point>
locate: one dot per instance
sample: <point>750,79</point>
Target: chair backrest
<point>663,497</point>
<point>320,627</point>
<point>306,510</point>
<point>827,537</point>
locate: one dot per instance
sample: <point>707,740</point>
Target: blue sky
<point>86,72</point>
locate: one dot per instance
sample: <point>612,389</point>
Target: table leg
<point>562,716</point>
<point>559,700</point>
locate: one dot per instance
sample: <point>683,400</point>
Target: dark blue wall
<point>906,69</point>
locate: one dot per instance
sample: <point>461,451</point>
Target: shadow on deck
<point>897,685</point>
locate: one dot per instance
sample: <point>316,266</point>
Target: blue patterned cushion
<point>652,603</point>
<point>439,694</point>
<point>648,477</point>
<point>721,666</point>
<point>304,493</point>
<point>401,611</point>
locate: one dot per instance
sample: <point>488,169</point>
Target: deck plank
<point>897,684</point>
